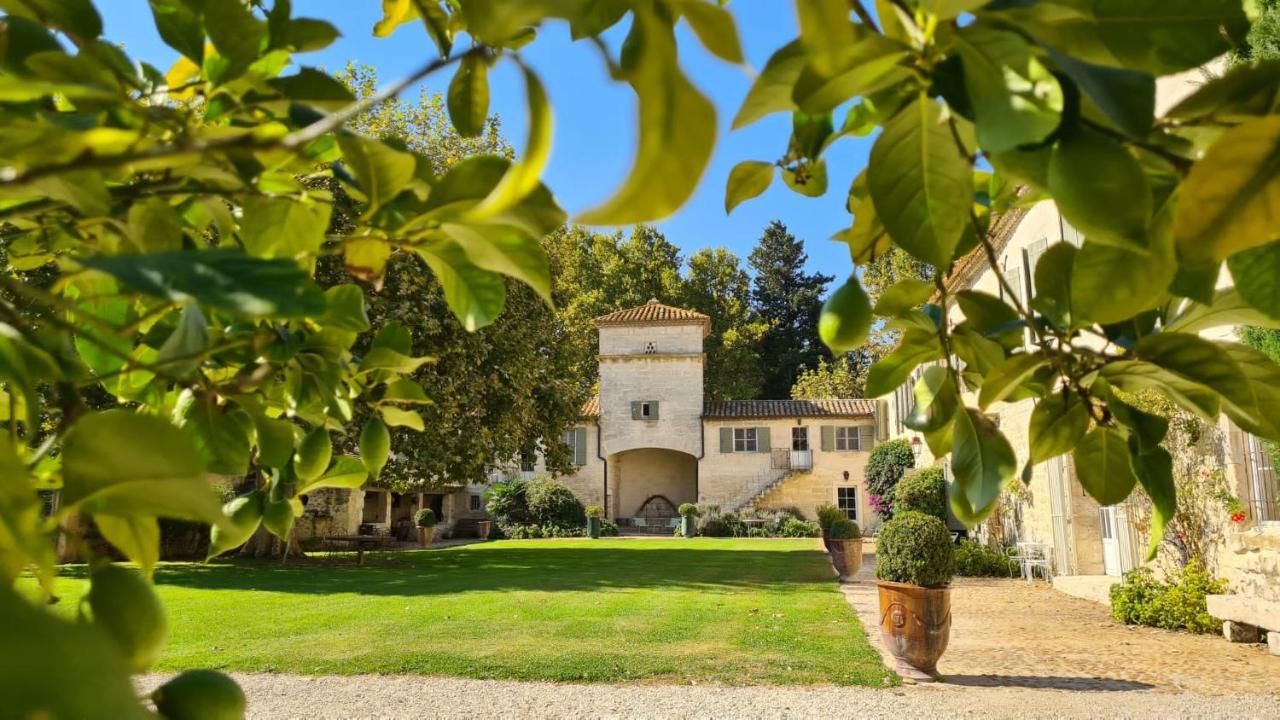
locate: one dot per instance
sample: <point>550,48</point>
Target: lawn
<point>735,612</point>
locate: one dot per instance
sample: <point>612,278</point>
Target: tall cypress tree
<point>789,299</point>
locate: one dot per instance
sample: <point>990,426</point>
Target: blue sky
<point>595,125</point>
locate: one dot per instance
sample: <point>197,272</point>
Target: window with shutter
<point>580,446</point>
<point>762,439</point>
<point>745,440</point>
<point>726,440</point>
<point>866,437</point>
<point>828,438</point>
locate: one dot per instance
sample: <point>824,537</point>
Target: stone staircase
<point>763,486</point>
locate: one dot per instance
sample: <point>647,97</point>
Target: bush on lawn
<point>844,529</point>
<point>1174,604</point>
<point>537,508</point>
<point>915,548</point>
<point>553,503</point>
<point>688,510</point>
<point>799,528</point>
<point>922,491</point>
<point>528,531</point>
<point>973,559</point>
<point>508,504</point>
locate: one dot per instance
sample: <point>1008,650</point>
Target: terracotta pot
<point>846,555</point>
<point>826,544</point>
<point>915,622</point>
<point>425,536</point>
<point>482,529</point>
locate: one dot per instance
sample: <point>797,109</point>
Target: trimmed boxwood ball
<point>688,510</point>
<point>915,548</point>
<point>828,514</point>
<point>425,518</point>
<point>924,491</point>
<point>844,529</point>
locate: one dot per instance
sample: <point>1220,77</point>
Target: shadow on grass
<point>515,567</point>
<point>1048,682</point>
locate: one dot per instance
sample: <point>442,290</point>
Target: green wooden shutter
<point>653,409</point>
<point>726,440</point>
<point>828,438</point>
<point>866,437</point>
<point>762,439</point>
<point>635,410</point>
<point>580,446</point>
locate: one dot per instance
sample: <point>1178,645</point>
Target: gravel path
<point>399,696</point>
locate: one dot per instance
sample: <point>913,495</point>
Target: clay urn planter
<point>482,529</point>
<point>914,565</point>
<point>425,520</point>
<point>844,541</point>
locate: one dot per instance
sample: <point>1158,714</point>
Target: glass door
<point>801,456</point>
<point>1110,543</point>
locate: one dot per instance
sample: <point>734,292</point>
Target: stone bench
<point>1243,616</point>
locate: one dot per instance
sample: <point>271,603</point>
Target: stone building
<point>1090,547</point>
<point>649,442</point>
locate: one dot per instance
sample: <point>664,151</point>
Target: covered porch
<point>647,486</point>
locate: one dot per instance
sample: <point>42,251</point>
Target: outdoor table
<point>360,542</point>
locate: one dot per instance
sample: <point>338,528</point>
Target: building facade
<point>650,441</point>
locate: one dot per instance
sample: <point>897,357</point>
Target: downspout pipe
<point>604,496</point>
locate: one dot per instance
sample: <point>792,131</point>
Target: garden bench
<point>360,543</point>
<point>1243,617</point>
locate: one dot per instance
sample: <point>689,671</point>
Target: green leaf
<point>405,391</point>
<point>845,319</point>
<point>237,34</point>
<point>314,87</point>
<point>398,417</point>
<point>381,171</point>
<point>275,438</point>
<point>771,91</point>
<point>475,296</point>
<point>982,461</point>
<point>867,65</point>
<point>344,308</point>
<point>241,519</point>
<point>904,295</point>
<point>83,190</point>
<point>471,181</point>
<point>1103,467</point>
<point>375,446</point>
<point>154,226</point>
<point>1134,376</point>
<point>283,227</point>
<point>223,278</point>
<point>1127,98</point>
<point>503,249</point>
<point>469,96</point>
<point>190,338</point>
<point>381,358</point>
<point>23,541</point>
<point>891,371</point>
<point>346,472</point>
<point>935,401</point>
<point>990,317</point>
<point>77,18</point>
<point>221,433</point>
<point>979,354</point>
<point>1159,37</point>
<point>393,336</point>
<point>747,179</point>
<point>522,178</point>
<point>808,179</point>
<point>1155,472</point>
<point>1230,201</point>
<point>920,183</point>
<point>1244,92</point>
<point>1146,431</point>
<point>1226,309</point>
<point>715,29</point>
<point>120,463</point>
<point>1008,377</point>
<point>1016,99</point>
<point>1057,424</point>
<point>137,537</point>
<point>1100,189</point>
<point>677,133</point>
<point>1053,275</point>
<point>825,30</point>
<point>1110,284</point>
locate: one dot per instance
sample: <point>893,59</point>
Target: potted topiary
<point>594,513</point>
<point>425,519</point>
<point>914,564</point>
<point>844,539</point>
<point>688,516</point>
<point>923,491</point>
<point>828,514</point>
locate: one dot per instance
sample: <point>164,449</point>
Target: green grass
<point>735,612</point>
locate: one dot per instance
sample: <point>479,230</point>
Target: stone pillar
<point>386,508</point>
<point>1273,643</point>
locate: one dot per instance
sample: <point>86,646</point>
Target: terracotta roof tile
<point>591,408</point>
<point>653,313</point>
<point>788,408</point>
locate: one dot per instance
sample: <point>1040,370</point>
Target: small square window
<point>847,500</point>
<point>527,462</point>
<point>847,439</point>
<point>475,505</point>
<point>744,440</point>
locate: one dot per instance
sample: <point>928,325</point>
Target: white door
<point>1110,543</point>
<point>801,457</point>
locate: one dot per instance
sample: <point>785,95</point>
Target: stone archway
<point>646,486</point>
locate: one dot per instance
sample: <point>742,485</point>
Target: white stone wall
<point>675,382</point>
<point>665,339</point>
<point>638,475</point>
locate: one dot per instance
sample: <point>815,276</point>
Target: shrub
<point>796,527</point>
<point>595,511</point>
<point>713,523</point>
<point>922,491</point>
<point>688,510</point>
<point>915,548</point>
<point>553,503</point>
<point>1174,604</point>
<point>508,504</point>
<point>973,559</point>
<point>828,514</point>
<point>888,461</point>
<point>425,518</point>
<point>844,529</point>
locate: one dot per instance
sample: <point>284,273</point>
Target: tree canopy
<point>788,299</point>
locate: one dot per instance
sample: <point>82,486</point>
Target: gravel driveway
<point>400,696</point>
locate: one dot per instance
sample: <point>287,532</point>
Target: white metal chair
<point>1032,557</point>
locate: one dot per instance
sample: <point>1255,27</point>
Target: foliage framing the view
<point>160,228</point>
